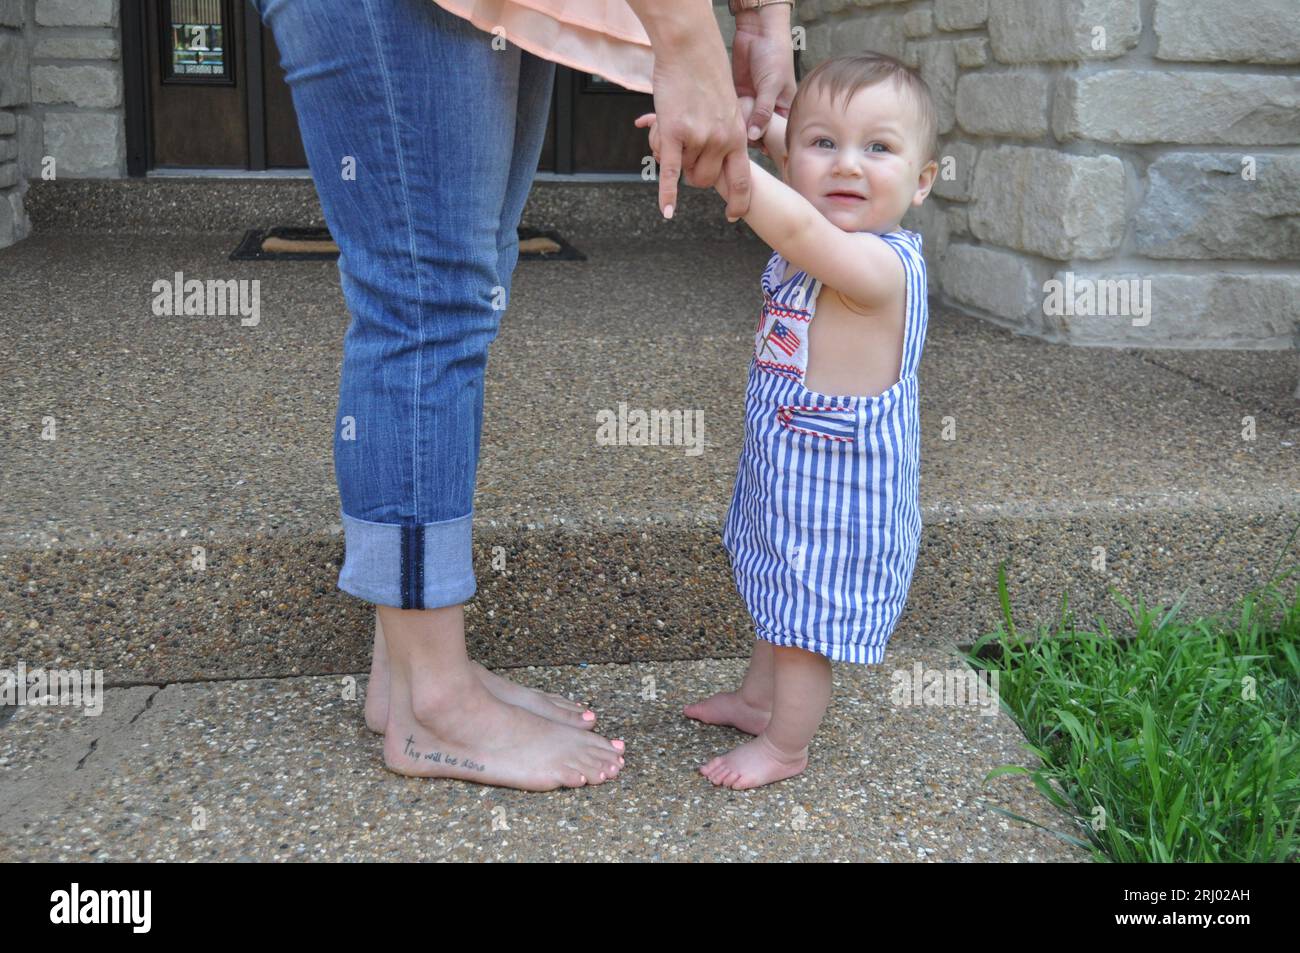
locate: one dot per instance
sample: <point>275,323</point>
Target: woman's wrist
<point>772,13</point>
<point>680,29</point>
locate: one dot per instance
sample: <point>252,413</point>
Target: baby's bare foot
<point>555,707</point>
<point>754,763</point>
<point>475,736</point>
<point>729,708</point>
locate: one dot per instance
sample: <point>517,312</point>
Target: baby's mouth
<point>846,196</point>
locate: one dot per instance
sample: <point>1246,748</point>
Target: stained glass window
<point>194,47</point>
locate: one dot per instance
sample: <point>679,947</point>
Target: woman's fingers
<point>670,168</point>
<point>736,169</point>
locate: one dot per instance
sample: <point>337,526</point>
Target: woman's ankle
<point>434,697</point>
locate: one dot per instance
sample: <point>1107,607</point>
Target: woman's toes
<point>565,703</point>
<point>571,777</point>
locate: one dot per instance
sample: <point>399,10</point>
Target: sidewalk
<point>284,769</point>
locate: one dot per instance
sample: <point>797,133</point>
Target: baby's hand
<point>747,110</point>
<point>648,119</point>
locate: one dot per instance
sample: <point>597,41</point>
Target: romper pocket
<point>837,424</point>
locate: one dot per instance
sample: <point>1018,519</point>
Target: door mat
<point>284,243</point>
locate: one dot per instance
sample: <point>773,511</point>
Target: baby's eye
<point>821,139</point>
<point>881,144</point>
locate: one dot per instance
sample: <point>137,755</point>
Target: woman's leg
<point>407,116</point>
<point>547,704</point>
<point>536,81</point>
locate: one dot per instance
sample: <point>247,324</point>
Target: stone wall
<point>61,108</point>
<point>1108,145</point>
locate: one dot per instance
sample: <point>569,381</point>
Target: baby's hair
<point>845,75</point>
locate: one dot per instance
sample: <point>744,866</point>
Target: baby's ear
<point>925,181</point>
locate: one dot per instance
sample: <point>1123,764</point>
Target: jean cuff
<point>416,566</point>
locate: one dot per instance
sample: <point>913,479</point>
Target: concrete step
<point>596,206</point>
<point>285,769</point>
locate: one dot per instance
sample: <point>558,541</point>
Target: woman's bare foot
<point>730,708</point>
<point>547,704</point>
<point>466,732</point>
<point>754,763</point>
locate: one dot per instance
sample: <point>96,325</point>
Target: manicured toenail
<point>588,716</point>
<point>602,775</point>
<point>618,744</point>
<point>621,761</point>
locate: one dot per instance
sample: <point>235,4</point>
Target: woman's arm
<point>702,131</point>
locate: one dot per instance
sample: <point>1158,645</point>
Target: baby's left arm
<point>859,265</point>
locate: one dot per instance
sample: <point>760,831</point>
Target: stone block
<point>1000,283</point>
<point>91,87</point>
<point>1050,203</point>
<point>1051,31</point>
<point>76,12</point>
<point>1004,104</point>
<point>1149,106</point>
<point>1214,205</point>
<point>960,14</point>
<point>1204,31</point>
<point>956,171</point>
<point>84,144</point>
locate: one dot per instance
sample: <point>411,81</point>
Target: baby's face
<point>871,148</point>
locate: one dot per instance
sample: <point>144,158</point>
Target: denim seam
<point>410,234</point>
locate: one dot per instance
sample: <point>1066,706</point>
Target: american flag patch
<point>783,338</point>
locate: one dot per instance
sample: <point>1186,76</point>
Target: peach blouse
<point>593,36</point>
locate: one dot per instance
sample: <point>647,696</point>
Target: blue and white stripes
<point>825,519</point>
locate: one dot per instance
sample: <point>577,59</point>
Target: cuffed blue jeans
<point>422,140</point>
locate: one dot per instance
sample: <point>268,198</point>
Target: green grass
<point>1175,742</point>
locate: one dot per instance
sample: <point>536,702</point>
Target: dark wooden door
<point>199,114</point>
<point>591,127</point>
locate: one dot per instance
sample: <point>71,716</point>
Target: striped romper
<point>825,519</point>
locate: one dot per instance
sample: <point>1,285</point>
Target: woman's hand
<point>762,64</point>
<point>650,120</point>
<point>700,128</point>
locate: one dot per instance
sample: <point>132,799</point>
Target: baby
<point>825,521</point>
